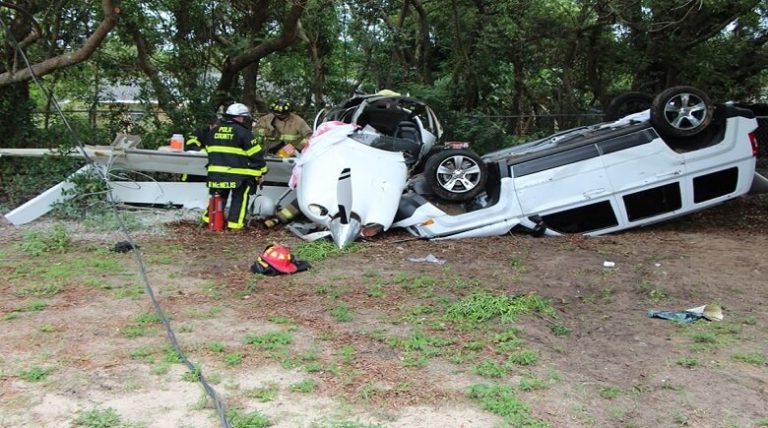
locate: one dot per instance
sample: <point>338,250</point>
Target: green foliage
<point>319,250</point>
<point>249,420</point>
<point>754,358</point>
<point>342,313</point>
<point>305,386</point>
<point>102,418</point>
<point>688,362</point>
<point>481,307</point>
<point>609,393</point>
<point>233,359</point>
<point>216,347</point>
<point>35,374</point>
<point>490,368</point>
<point>37,243</point>
<point>87,195</point>
<point>272,340</point>
<point>500,399</point>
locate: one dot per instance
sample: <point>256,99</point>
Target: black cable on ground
<point>104,175</point>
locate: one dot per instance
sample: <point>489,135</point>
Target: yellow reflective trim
<point>289,137</point>
<point>243,207</point>
<point>238,171</point>
<point>193,140</point>
<point>226,149</point>
<point>256,148</point>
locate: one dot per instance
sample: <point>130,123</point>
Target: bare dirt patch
<point>368,340</point>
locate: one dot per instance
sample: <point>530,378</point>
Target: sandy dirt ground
<point>601,362</point>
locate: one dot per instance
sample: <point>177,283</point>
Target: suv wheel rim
<point>458,174</point>
<point>685,111</point>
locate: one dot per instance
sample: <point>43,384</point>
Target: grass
<point>37,290</point>
<point>609,393</point>
<point>233,359</point>
<point>754,358</point>
<point>271,341</point>
<point>35,374</point>
<point>102,418</point>
<point>524,357</point>
<point>264,394</point>
<point>304,387</point>
<point>688,362</point>
<point>216,347</point>
<point>316,251</point>
<point>253,419</point>
<point>501,400</point>
<point>490,368</point>
<point>481,307</point>
<point>341,313</point>
<point>36,244</point>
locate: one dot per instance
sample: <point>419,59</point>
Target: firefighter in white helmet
<point>235,162</point>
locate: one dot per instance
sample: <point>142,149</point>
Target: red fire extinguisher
<point>216,212</point>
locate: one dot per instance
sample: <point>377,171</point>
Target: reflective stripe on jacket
<point>233,152</point>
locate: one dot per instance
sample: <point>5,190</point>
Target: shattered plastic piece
<point>429,259</point>
<point>609,264</point>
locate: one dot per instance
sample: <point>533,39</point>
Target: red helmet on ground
<point>279,257</point>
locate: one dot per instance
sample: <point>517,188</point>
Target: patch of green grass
<point>524,357</point>
<point>192,375</point>
<point>47,328</point>
<point>264,394</point>
<point>38,290</point>
<point>161,369</point>
<point>280,319</point>
<point>102,418</point>
<point>530,383</point>
<point>253,419</point>
<point>209,313</point>
<point>609,393</point>
<point>688,362</point>
<point>141,353</point>
<point>233,359</point>
<point>754,358</point>
<point>272,340</point>
<point>376,290</point>
<point>763,422</point>
<point>490,368</point>
<point>35,373</point>
<point>347,353</point>
<point>131,291</point>
<point>341,313</point>
<point>705,337</point>
<point>216,347</point>
<point>36,244</point>
<point>171,355</point>
<point>418,282</point>
<point>319,250</point>
<point>559,329</point>
<point>516,263</point>
<point>186,328</point>
<point>33,306</point>
<point>10,316</point>
<point>501,400</point>
<point>305,386</point>
<point>481,307</point>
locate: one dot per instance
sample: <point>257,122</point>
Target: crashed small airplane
<point>373,164</point>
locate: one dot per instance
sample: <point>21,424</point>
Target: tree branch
<point>109,21</point>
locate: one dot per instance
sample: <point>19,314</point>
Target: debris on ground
<point>430,258</point>
<point>708,312</point>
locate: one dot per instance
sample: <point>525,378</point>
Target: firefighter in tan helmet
<point>282,132</point>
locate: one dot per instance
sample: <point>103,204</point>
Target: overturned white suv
<point>683,155</point>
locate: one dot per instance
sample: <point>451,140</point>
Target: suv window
<point>586,218</point>
<point>716,184</point>
<point>651,202</point>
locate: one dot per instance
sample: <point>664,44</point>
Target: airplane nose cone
<point>344,232</point>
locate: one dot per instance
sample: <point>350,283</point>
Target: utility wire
<point>104,176</point>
